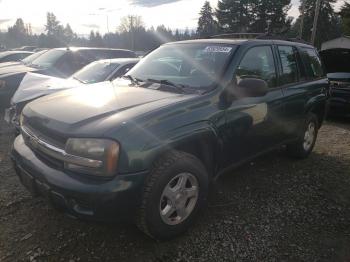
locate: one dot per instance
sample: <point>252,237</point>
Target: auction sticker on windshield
<point>218,49</point>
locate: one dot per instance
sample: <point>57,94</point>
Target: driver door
<point>253,124</point>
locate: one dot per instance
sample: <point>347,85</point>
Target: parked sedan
<point>26,61</point>
<point>59,62</point>
<point>34,85</point>
<point>13,56</point>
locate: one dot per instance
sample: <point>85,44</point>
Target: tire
<point>163,181</point>
<point>304,145</point>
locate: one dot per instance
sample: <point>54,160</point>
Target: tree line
<point>266,16</point>
<point>131,34</point>
<point>230,16</point>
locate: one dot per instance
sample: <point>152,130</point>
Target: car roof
<point>90,48</point>
<point>240,42</point>
<point>16,52</point>
<point>121,61</point>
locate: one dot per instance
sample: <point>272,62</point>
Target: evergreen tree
<point>329,24</point>
<point>17,34</point>
<point>206,23</point>
<point>345,18</point>
<point>234,16</point>
<point>68,34</point>
<point>52,26</point>
<point>270,16</point>
<point>92,36</point>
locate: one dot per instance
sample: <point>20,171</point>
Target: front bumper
<point>83,197</point>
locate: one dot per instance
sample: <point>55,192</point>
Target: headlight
<point>2,83</point>
<point>92,156</point>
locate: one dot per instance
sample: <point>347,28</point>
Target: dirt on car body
<point>272,209</point>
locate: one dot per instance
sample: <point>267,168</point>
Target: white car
<point>34,85</point>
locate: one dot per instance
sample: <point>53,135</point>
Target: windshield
<point>95,72</point>
<point>197,66</point>
<point>29,59</point>
<point>48,58</point>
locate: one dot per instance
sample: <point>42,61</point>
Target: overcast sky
<point>87,15</point>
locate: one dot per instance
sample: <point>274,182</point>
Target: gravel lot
<point>274,209</point>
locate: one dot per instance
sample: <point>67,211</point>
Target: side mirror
<point>252,87</point>
<point>247,87</point>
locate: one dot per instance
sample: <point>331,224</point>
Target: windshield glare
<point>95,72</point>
<point>31,58</point>
<point>194,65</point>
<point>49,58</point>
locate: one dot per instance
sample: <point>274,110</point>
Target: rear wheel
<point>303,147</point>
<point>174,193</point>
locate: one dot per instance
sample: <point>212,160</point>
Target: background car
<point>35,85</point>
<point>26,61</point>
<point>10,56</point>
<point>337,63</point>
<point>26,48</point>
<point>58,62</point>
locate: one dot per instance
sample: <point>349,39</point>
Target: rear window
<point>49,58</point>
<point>313,64</point>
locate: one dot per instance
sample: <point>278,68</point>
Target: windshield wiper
<point>178,87</point>
<point>134,80</point>
<point>81,81</point>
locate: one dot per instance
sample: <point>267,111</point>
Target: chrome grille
<point>57,155</point>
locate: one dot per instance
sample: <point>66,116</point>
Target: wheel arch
<point>202,143</point>
<point>317,106</point>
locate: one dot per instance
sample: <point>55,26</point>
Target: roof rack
<point>238,35</point>
<point>283,38</point>
<point>263,36</point>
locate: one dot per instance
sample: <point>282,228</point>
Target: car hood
<point>341,76</point>
<point>94,109</point>
<point>17,69</point>
<point>36,85</point>
<point>6,64</point>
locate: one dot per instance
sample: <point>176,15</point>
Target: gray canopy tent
<point>338,43</point>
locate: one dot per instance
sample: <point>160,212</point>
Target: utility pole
<point>132,33</point>
<point>107,23</point>
<point>314,28</point>
<point>303,3</point>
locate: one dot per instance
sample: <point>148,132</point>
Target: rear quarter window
<point>313,64</point>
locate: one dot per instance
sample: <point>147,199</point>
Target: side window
<point>14,57</point>
<point>313,64</point>
<point>289,65</point>
<point>258,63</point>
<point>122,71</point>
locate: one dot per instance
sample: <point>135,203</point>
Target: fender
<point>198,138</point>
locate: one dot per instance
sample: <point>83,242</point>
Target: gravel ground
<point>273,209</point>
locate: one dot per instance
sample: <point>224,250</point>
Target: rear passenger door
<point>300,87</point>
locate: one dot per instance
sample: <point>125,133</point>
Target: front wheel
<point>303,147</point>
<point>174,193</point>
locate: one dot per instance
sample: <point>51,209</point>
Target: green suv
<point>148,145</point>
